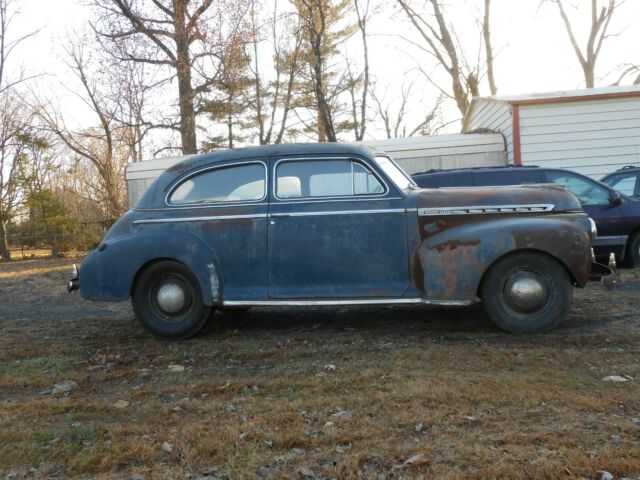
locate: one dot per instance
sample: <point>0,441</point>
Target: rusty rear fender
<point>454,260</point>
<point>108,273</point>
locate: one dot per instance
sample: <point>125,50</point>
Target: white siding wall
<point>592,137</point>
<point>496,116</point>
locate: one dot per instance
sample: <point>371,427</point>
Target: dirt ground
<point>373,393</point>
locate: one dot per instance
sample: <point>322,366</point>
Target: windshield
<point>394,172</point>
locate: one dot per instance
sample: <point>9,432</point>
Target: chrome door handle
<point>279,215</point>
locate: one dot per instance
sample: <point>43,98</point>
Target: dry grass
<point>257,395</point>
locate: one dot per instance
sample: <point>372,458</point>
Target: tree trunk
<point>4,246</point>
<point>589,75</point>
<point>486,32</point>
<point>185,88</point>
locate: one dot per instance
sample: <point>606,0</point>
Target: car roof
<point>626,168</point>
<point>154,196</point>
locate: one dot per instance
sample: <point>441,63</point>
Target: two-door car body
<point>333,224</point>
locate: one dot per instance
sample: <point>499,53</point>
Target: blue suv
<point>617,216</point>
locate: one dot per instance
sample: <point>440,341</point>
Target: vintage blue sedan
<point>335,224</point>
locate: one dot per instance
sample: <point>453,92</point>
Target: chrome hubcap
<point>171,297</point>
<point>527,293</point>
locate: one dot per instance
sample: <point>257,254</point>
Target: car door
<point>598,203</point>
<point>337,229</point>
<point>227,206</point>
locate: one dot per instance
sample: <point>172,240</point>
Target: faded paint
<point>272,253</point>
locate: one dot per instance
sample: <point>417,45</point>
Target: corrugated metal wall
<point>592,137</point>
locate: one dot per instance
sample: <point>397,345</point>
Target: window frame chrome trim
<point>412,183</point>
<point>200,171</point>
<point>328,198</point>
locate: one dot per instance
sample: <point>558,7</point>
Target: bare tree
<point>15,120</point>
<point>629,69</point>
<point>129,89</point>
<point>177,35</point>
<point>441,42</point>
<point>104,146</point>
<point>394,115</point>
<point>486,34</point>
<point>272,99</point>
<point>359,107</point>
<point>600,20</point>
<point>322,35</point>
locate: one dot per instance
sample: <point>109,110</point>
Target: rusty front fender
<point>454,260</point>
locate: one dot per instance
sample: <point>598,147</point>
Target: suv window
<point>624,183</point>
<point>506,177</point>
<point>587,191</point>
<point>226,184</point>
<point>437,180</point>
<point>325,178</point>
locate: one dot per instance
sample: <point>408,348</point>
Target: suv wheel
<point>632,253</point>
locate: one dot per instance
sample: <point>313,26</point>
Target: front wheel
<point>527,293</point>
<point>167,300</point>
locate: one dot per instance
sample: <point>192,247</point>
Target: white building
<point>593,131</point>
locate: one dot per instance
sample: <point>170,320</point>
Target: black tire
<point>527,292</point>
<point>632,253</point>
<point>182,319</point>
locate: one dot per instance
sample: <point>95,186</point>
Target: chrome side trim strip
<point>486,209</point>
<point>610,240</point>
<point>338,212</point>
<point>335,199</point>
<point>198,219</point>
<point>375,301</point>
<point>264,215</point>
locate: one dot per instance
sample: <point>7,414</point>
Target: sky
<point>533,51</point>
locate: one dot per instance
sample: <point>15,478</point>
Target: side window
<point>325,178</point>
<point>625,183</point>
<point>587,191</point>
<point>227,184</point>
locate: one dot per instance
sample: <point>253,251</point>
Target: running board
<point>376,301</point>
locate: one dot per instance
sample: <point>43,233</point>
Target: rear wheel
<point>167,300</point>
<point>527,293</point>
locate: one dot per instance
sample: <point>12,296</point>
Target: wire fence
<point>29,245</point>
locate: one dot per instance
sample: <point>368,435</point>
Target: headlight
<point>594,229</point>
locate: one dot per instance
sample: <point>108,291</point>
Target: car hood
<point>525,198</point>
